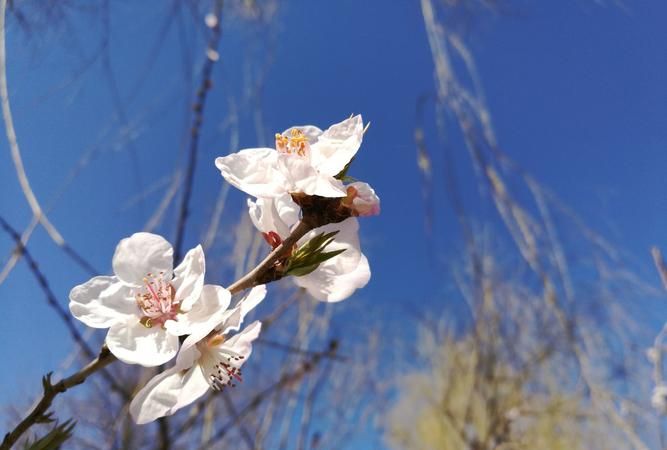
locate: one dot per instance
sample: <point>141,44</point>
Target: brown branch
<point>40,411</point>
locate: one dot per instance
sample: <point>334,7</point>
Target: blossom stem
<point>253,277</point>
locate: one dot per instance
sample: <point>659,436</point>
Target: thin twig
<point>197,120</point>
<point>50,391</point>
<point>54,304</point>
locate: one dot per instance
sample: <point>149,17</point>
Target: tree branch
<point>50,391</point>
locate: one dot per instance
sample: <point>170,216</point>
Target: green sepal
<point>309,256</point>
<point>342,175</point>
<point>312,263</point>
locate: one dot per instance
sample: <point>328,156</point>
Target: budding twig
<point>40,412</point>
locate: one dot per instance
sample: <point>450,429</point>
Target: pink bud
<point>272,238</point>
<point>362,200</point>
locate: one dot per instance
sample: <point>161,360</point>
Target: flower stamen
<point>156,301</point>
<point>296,144</point>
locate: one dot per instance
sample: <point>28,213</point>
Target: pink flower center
<point>156,301</point>
<point>295,144</point>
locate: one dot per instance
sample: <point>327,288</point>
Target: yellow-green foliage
<point>460,402</point>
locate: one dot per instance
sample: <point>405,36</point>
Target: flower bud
<point>362,200</point>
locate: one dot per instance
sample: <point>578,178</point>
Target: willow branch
<point>39,216</point>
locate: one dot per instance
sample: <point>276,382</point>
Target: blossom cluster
<point>155,312</point>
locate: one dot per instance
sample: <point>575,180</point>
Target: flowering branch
<point>105,357</point>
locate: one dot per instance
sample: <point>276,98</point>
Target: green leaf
<point>311,262</point>
<point>301,271</point>
<point>54,439</point>
<point>321,257</point>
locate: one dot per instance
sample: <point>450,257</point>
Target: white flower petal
<point>274,214</point>
<point>204,316</point>
<point>337,278</point>
<point>365,201</point>
<point>235,316</point>
<point>133,343</point>
<point>102,301</point>
<point>301,176</point>
<point>140,254</point>
<point>328,283</point>
<point>189,278</point>
<point>169,391</point>
<point>241,343</point>
<point>254,171</point>
<point>337,146</point>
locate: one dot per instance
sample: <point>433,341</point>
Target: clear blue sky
<point>577,92</point>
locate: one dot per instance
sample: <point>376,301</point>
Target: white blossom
<point>146,304</point>
<point>335,279</point>
<point>208,358</point>
<point>305,160</point>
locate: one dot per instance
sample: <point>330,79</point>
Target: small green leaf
<point>47,417</point>
<point>324,256</point>
<point>54,439</point>
<point>46,382</point>
<point>301,271</point>
<point>308,264</point>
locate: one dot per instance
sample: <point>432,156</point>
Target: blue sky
<point>577,92</point>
